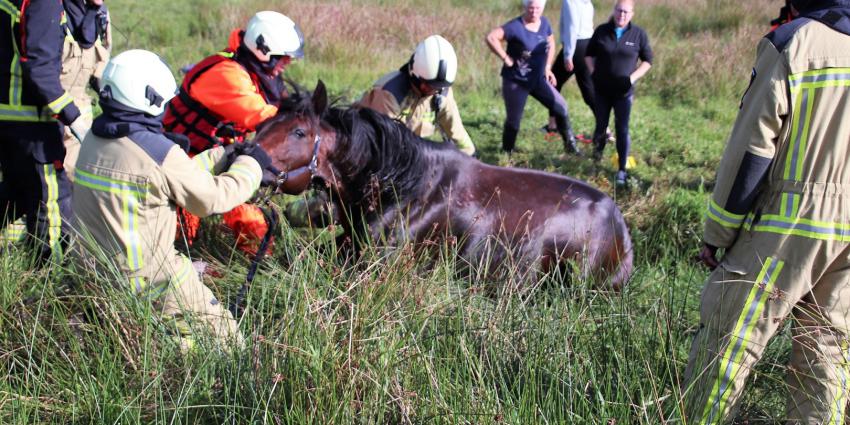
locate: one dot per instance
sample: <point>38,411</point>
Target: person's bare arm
<point>550,60</point>
<point>494,41</point>
<point>641,70</point>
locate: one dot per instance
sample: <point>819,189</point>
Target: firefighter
<point>88,39</point>
<point>420,95</point>
<point>34,109</point>
<point>780,210</point>
<point>225,97</point>
<point>130,179</point>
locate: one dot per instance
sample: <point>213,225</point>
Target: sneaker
<point>609,136</point>
<point>597,152</point>
<point>621,178</point>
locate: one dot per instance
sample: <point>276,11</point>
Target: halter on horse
<point>393,187</point>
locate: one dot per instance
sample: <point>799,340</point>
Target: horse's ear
<point>320,98</point>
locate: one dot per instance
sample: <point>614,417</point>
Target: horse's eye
<point>299,133</point>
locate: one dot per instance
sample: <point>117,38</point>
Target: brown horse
<point>393,186</point>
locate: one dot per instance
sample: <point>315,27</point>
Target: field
<point>389,340</point>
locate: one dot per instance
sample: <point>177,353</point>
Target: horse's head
<point>297,142</point>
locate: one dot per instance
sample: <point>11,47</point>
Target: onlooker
<point>88,39</point>
<point>227,95</point>
<point>527,69</point>
<point>576,28</point>
<point>420,94</point>
<point>130,179</point>
<point>780,211</point>
<point>31,101</point>
<point>612,56</point>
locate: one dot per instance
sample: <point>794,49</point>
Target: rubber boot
<point>567,135</point>
<point>509,139</point>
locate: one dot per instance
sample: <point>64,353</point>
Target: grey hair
<point>526,2</point>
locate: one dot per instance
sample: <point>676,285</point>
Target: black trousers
<point>585,83</point>
<point>34,182</point>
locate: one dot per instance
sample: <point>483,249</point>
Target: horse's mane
<point>378,157</point>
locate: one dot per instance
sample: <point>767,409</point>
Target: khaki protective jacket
<point>785,169</point>
<point>126,194</point>
<point>393,96</point>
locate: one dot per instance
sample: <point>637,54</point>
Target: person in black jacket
<point>34,108</point>
<point>612,56</point>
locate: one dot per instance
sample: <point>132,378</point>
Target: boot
<point>598,147</point>
<point>567,135</point>
<point>509,139</point>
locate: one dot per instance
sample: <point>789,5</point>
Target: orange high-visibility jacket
<point>228,92</point>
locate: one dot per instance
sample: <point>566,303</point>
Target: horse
<point>394,187</point>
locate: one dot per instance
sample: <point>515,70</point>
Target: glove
<point>79,128</point>
<point>68,114</point>
<point>250,149</point>
<point>269,176</point>
<point>181,140</point>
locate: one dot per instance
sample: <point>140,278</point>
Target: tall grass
<point>395,337</point>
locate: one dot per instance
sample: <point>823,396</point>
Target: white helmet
<point>273,34</point>
<point>140,80</point>
<point>435,62</point>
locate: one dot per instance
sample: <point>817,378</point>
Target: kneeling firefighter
<point>130,179</point>
<point>226,96</point>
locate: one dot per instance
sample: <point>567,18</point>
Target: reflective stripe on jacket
<point>127,190</point>
<point>785,168</point>
<point>31,37</point>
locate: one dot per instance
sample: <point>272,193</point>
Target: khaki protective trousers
<point>78,67</point>
<point>189,308</point>
<point>764,280</point>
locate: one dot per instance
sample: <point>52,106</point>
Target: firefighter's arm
<point>449,120</point>
<point>227,90</point>
<point>751,148</point>
<point>40,44</point>
<point>382,101</point>
<point>192,186</point>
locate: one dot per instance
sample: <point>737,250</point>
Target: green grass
<point>394,339</point>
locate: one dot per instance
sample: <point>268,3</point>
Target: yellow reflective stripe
<point>14,232</point>
<point>729,365</point>
<point>244,170</point>
<point>225,54</point>
<point>25,113</point>
<point>130,195</point>
<point>15,85</point>
<point>106,184</point>
<point>11,9</point>
<point>139,283</point>
<point>54,218</point>
<point>61,102</point>
<point>789,205</point>
<point>813,229</point>
<point>204,161</point>
<point>721,216</point>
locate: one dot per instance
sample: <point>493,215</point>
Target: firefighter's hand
<point>254,151</point>
<point>270,176</point>
<point>79,128</point>
<point>708,256</point>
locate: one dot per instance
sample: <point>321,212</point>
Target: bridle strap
<point>312,167</point>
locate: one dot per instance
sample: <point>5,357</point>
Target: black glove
<point>269,176</point>
<point>181,140</point>
<point>250,149</point>
<point>68,114</point>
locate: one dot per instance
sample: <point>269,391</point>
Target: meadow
<point>392,338</point>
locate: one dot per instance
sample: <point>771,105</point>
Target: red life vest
<point>186,115</point>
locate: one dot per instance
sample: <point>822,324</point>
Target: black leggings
<point>622,107</point>
<point>582,73</point>
<point>516,94</point>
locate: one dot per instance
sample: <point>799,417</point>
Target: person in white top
<point>576,28</point>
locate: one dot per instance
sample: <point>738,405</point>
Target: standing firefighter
<point>420,94</point>
<point>86,50</point>
<point>130,179</point>
<point>226,96</point>
<point>33,109</point>
<point>781,211</point>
